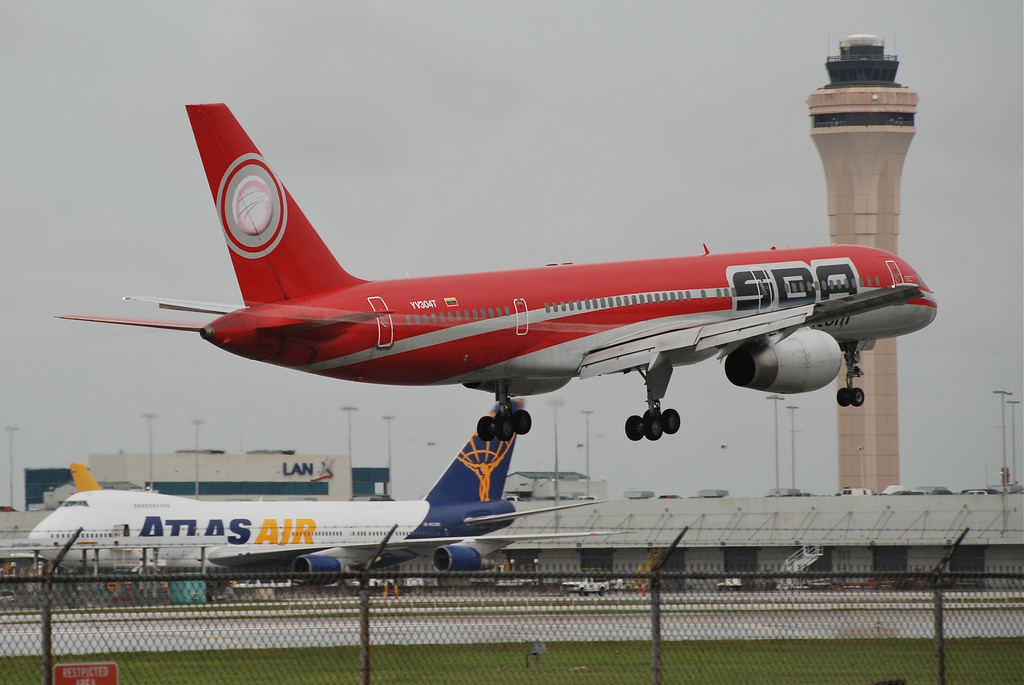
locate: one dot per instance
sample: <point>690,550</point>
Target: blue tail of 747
<point>478,472</point>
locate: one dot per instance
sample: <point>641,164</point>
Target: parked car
<point>933,490</point>
<point>589,586</point>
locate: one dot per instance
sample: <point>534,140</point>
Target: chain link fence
<point>518,628</point>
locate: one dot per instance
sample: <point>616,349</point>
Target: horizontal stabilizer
<point>511,516</point>
<point>192,326</point>
<point>188,305</point>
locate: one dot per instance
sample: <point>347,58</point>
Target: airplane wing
<point>245,556</point>
<point>681,345</point>
<point>865,301</point>
<point>485,544</point>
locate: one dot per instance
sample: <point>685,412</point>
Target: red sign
<point>85,674</point>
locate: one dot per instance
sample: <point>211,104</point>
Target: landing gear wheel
<point>485,428</point>
<point>521,422</point>
<point>503,429</point>
<point>652,426</point>
<point>843,397</point>
<point>856,397</point>
<point>634,428</point>
<point>670,421</point>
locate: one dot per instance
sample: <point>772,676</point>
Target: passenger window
<point>433,317</point>
<point>417,319</point>
<point>490,313</point>
<point>458,315</point>
<point>547,307</point>
<point>408,320</point>
<point>703,295</point>
<point>508,312</point>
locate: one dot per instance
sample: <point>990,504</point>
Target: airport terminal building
<point>216,475</point>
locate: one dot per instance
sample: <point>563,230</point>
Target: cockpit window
<point>75,503</point>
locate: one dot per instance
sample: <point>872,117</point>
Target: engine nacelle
<point>805,361</point>
<point>460,558</point>
<point>316,563</point>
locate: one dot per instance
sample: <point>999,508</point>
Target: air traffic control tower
<point>862,123</point>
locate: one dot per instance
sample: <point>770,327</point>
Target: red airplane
<point>784,321</point>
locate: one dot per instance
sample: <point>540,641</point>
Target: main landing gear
<point>507,422</point>
<point>851,396</point>
<point>655,422</point>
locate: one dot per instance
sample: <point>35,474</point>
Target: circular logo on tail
<point>252,207</point>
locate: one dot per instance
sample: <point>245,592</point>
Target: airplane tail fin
<point>84,482</point>
<point>478,472</point>
<point>276,253</point>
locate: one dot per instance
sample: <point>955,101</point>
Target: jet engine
<point>316,563</point>
<point>807,360</point>
<point>460,558</point>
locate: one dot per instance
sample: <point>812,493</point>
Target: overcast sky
<point>442,137</point>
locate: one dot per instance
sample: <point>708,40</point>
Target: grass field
<point>981,661</point>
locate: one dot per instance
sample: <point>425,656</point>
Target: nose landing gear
<point>851,396</point>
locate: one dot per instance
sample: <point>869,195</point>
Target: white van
<point>858,491</point>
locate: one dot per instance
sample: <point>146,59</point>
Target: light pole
<point>349,410</point>
<point>586,413</point>
<point>792,444</point>
<point>1004,475</point>
<point>1013,434</point>
<point>555,404</point>
<point>149,419</point>
<point>389,419</point>
<point>10,451</point>
<point>775,399</point>
<point>195,453</point>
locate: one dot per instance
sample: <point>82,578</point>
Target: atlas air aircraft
<point>455,524</point>
<point>784,321</point>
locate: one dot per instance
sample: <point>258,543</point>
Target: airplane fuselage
<point>189,533</point>
<point>533,327</point>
